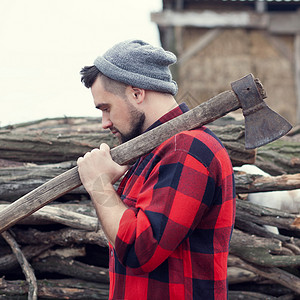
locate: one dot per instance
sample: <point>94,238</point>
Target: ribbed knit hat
<point>139,64</point>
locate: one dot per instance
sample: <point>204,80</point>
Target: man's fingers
<point>125,168</point>
<point>104,147</point>
<point>79,160</point>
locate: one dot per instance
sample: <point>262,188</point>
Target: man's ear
<point>138,95</point>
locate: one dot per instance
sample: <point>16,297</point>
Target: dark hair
<point>89,75</point>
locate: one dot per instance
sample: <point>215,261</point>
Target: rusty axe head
<point>262,124</point>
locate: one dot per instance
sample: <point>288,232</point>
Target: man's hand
<point>97,169</point>
<point>98,172</point>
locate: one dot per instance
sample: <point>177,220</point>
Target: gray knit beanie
<point>139,64</point>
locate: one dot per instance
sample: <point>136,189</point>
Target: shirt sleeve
<point>173,199</point>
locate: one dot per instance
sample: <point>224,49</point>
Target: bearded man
<point>170,222</point>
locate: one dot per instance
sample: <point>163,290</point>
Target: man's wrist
<point>105,196</point>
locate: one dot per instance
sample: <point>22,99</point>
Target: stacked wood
<point>62,251</point>
<point>48,144</point>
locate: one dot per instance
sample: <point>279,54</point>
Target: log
<point>71,268</point>
<point>246,212</point>
<point>68,252</point>
<point>9,261</point>
<point>248,295</point>
<point>255,242</point>
<point>4,163</point>
<point>248,183</point>
<point>63,237</point>
<point>55,289</point>
<point>242,295</point>
<point>279,157</point>
<point>52,140</point>
<point>265,215</point>
<point>57,125</point>
<point>18,181</point>
<point>258,250</point>
<point>65,217</point>
<point>252,217</point>
<point>26,267</point>
<point>277,275</point>
<point>238,275</point>
<point>49,147</point>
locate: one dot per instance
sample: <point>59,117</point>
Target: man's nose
<point>106,122</point>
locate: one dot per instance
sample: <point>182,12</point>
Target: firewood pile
<point>60,251</point>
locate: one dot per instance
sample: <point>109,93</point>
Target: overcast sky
<point>45,43</point>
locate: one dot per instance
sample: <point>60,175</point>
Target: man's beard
<point>137,119</point>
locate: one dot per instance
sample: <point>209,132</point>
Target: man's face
<point>119,114</point>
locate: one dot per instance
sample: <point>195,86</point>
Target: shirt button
<point>111,253</point>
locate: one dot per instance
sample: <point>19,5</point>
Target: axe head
<point>262,124</point>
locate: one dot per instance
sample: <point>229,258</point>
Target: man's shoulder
<point>200,143</point>
<point>201,138</point>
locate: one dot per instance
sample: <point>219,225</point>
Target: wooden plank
<point>199,44</point>
<point>284,23</point>
<point>280,23</point>
<point>281,46</point>
<point>210,19</point>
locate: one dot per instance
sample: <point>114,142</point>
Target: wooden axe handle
<point>204,113</point>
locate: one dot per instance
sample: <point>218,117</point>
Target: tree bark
<point>49,147</point>
<point>261,251</point>
<point>266,216</point>
<point>61,139</point>
<point>242,295</point>
<point>275,274</point>
<point>63,237</point>
<point>26,267</point>
<point>238,275</point>
<point>279,157</point>
<point>55,289</point>
<point>53,147</point>
<point>62,216</point>
<point>71,268</point>
<point>18,181</point>
<point>246,183</point>
<point>9,261</point>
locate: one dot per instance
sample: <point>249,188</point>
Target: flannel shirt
<point>173,240</point>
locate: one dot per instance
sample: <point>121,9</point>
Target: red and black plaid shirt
<point>173,240</point>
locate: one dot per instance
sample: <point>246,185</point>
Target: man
<point>170,222</point>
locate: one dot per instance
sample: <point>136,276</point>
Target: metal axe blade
<point>262,124</point>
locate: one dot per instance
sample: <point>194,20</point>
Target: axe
<point>262,126</point>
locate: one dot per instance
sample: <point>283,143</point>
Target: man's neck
<point>157,105</point>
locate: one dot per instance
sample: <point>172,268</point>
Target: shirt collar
<point>178,110</point>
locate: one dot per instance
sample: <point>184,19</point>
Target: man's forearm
<point>109,208</point>
<point>98,172</point>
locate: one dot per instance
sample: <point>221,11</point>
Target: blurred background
<point>219,41</point>
<point>45,43</point>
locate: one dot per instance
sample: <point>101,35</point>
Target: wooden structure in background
<point>217,41</point>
